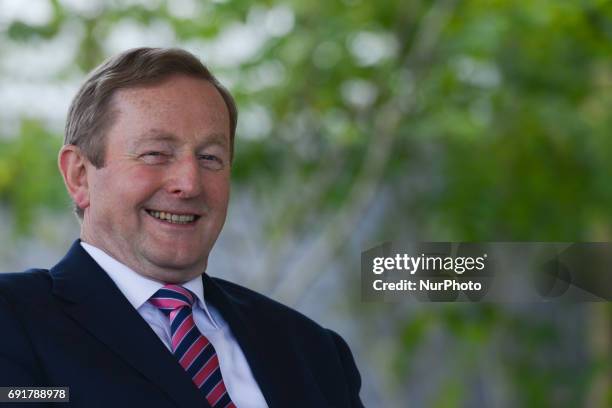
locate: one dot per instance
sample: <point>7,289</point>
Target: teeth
<point>173,218</point>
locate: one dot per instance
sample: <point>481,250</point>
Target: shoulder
<point>22,298</point>
<point>329,357</point>
<point>28,286</point>
<point>266,308</point>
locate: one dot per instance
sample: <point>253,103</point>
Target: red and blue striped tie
<point>195,353</point>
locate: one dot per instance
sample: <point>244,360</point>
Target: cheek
<point>140,184</point>
<point>123,190</point>
<point>217,190</point>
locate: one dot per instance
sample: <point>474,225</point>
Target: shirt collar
<point>136,287</point>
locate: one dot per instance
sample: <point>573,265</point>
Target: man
<point>128,317</point>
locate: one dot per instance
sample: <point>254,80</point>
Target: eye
<point>210,161</point>
<point>154,157</point>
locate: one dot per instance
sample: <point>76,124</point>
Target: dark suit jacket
<point>71,326</point>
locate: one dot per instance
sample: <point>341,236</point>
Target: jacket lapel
<point>96,304</point>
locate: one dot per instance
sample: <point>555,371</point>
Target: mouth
<point>173,218</point>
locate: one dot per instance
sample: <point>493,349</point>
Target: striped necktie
<point>194,352</point>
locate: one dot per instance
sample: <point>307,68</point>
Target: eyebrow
<point>158,135</point>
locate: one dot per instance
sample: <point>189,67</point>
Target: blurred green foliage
<point>478,119</point>
<point>29,180</point>
<point>512,96</point>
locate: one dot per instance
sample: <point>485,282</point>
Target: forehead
<point>154,136</point>
<point>179,105</point>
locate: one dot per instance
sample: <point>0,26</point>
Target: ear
<point>73,166</point>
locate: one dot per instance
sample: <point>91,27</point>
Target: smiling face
<point>159,202</point>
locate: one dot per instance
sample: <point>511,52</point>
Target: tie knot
<point>172,297</point>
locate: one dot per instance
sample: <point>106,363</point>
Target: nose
<point>184,179</point>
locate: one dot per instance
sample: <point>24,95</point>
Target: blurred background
<point>362,122</point>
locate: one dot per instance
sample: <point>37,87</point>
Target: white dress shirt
<point>237,375</point>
